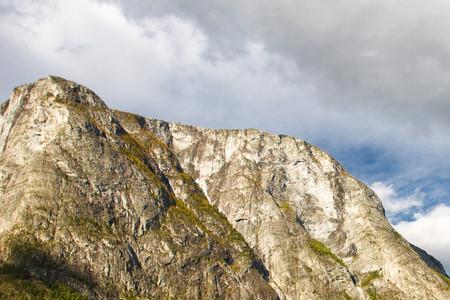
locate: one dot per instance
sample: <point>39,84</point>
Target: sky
<point>367,81</point>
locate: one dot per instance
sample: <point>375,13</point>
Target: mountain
<point>103,204</point>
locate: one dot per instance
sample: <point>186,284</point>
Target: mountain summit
<point>103,204</point>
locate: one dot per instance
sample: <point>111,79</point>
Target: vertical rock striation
<point>321,233</point>
<point>102,204</point>
<point>88,209</point>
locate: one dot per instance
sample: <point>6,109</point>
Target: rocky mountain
<point>102,204</point>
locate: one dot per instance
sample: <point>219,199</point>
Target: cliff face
<point>98,203</point>
<point>320,232</point>
<point>89,210</point>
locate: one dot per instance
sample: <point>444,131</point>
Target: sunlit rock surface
<point>101,204</point>
<point>320,232</point>
<point>88,209</point>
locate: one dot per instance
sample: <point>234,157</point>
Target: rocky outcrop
<point>102,204</point>
<point>89,210</point>
<point>321,233</point>
<point>430,260</point>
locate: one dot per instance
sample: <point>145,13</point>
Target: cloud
<point>395,205</point>
<point>295,67</point>
<point>360,53</point>
<point>427,230</point>
<point>430,231</point>
<point>378,72</point>
<point>158,66</point>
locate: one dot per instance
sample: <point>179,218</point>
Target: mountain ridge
<point>233,213</point>
<point>192,166</point>
<point>428,258</point>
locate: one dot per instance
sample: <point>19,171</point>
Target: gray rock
<point>320,232</point>
<point>86,205</point>
<point>106,205</point>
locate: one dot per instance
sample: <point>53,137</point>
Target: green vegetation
<point>371,276</point>
<point>26,251</point>
<point>201,206</point>
<point>366,282</point>
<point>89,226</point>
<point>136,153</point>
<point>372,293</point>
<point>196,210</point>
<point>145,138</point>
<point>182,211</point>
<point>345,295</point>
<point>444,278</point>
<point>323,250</point>
<point>64,292</point>
<point>16,283</point>
<point>28,273</point>
<point>127,296</point>
<point>185,177</point>
<point>287,209</point>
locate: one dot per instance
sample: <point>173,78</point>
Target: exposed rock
<point>86,206</point>
<point>430,260</point>
<point>101,204</point>
<point>320,232</point>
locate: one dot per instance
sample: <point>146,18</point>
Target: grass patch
<point>17,283</point>
<point>285,207</point>
<point>185,177</point>
<point>89,226</point>
<point>136,153</point>
<point>64,292</point>
<point>345,295</point>
<point>31,272</point>
<point>128,296</point>
<point>444,278</point>
<point>181,210</point>
<point>323,250</point>
<point>195,210</point>
<point>372,293</point>
<point>201,205</point>
<point>371,276</point>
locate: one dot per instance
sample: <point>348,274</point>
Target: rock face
<point>89,209</point>
<point>321,233</point>
<point>103,204</point>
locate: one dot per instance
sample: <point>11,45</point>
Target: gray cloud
<point>383,67</point>
<point>391,56</point>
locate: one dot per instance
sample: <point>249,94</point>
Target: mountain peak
<point>113,205</point>
<point>70,91</point>
<point>59,89</point>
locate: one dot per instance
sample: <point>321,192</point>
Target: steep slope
<point>103,204</point>
<point>88,210</point>
<point>321,233</point>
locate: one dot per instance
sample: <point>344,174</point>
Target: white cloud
<point>394,204</point>
<point>161,66</point>
<point>378,69</point>
<point>428,230</point>
<point>431,232</point>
